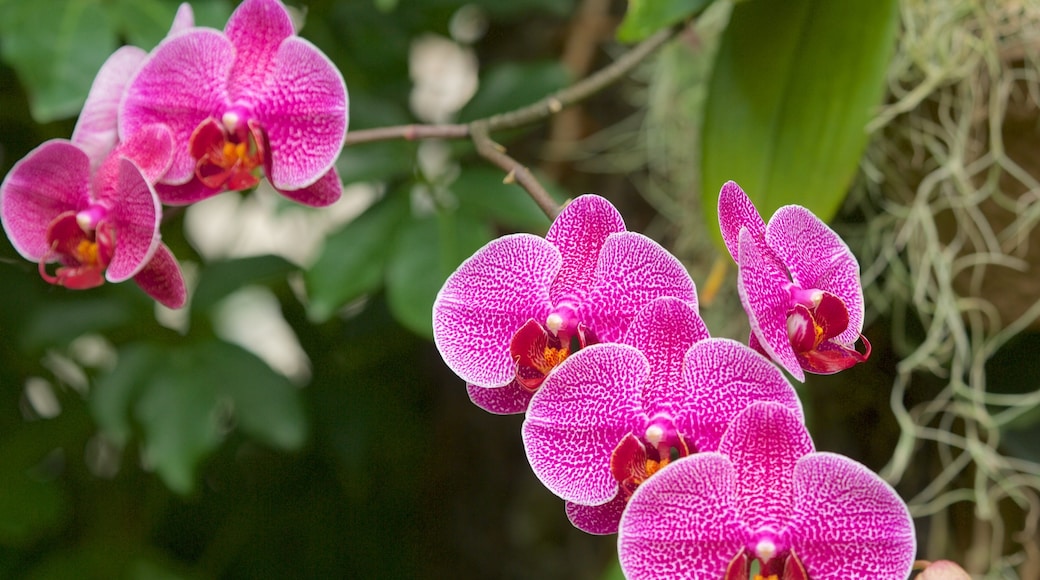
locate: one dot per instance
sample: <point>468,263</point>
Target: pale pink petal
<point>723,377</point>
<point>324,192</point>
<point>664,330</point>
<point>256,29</point>
<point>579,232</point>
<point>486,300</point>
<point>818,258</point>
<point>51,179</point>
<point>95,131</point>
<point>765,442</point>
<point>183,83</point>
<point>508,400</point>
<point>577,418</point>
<point>135,214</point>
<point>943,570</point>
<point>183,20</point>
<point>632,270</point>
<point>597,519</point>
<point>848,522</point>
<point>682,524</point>
<point>162,280</point>
<point>762,286</point>
<point>303,110</point>
<point>736,211</point>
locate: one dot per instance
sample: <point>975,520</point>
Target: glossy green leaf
<point>353,259</point>
<point>793,88</point>
<point>645,17</point>
<point>428,250</point>
<point>481,193</point>
<point>57,46</point>
<point>219,279</point>
<point>145,22</point>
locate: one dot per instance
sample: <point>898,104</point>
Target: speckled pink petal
<point>182,83</point>
<point>95,131</point>
<point>597,519</point>
<point>664,330</point>
<point>762,288</point>
<point>183,20</point>
<point>576,419</point>
<point>151,150</point>
<point>579,232</point>
<point>256,29</point>
<point>508,400</point>
<point>486,300</point>
<point>135,215</point>
<point>324,192</point>
<point>184,194</point>
<point>723,377</point>
<point>303,108</point>
<point>51,179</point>
<point>632,270</point>
<point>161,279</point>
<point>682,524</point>
<point>848,522</point>
<point>764,442</point>
<point>818,258</point>
<point>735,212</point>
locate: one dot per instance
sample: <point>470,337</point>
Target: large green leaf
<point>219,279</point>
<point>482,193</point>
<point>794,86</point>
<point>645,17</point>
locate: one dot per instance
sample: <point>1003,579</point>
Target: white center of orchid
<point>765,550</point>
<point>231,121</point>
<point>554,323</point>
<point>654,435</point>
<point>815,296</point>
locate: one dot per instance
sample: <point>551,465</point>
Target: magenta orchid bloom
<point>765,495</point>
<point>254,97</point>
<point>611,415</point>
<point>799,284</point>
<point>89,204</point>
<point>522,304</point>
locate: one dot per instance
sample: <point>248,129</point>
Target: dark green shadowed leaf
<point>219,279</point>
<point>354,258</point>
<point>145,22</point>
<point>793,88</point>
<point>645,17</point>
<point>481,193</point>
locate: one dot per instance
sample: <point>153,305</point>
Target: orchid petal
<point>849,522</point>
<point>181,84</point>
<point>723,377</point>
<point>508,400</point>
<point>52,179</point>
<point>579,232</point>
<point>186,193</point>
<point>95,131</point>
<point>485,301</point>
<point>830,357</point>
<point>762,286</point>
<point>632,270</point>
<point>664,330</point>
<point>151,150</point>
<point>135,219</point>
<point>818,258</point>
<point>576,419</point>
<point>183,20</point>
<point>303,110</point>
<point>256,29</point>
<point>765,434</point>
<point>736,211</point>
<point>322,193</point>
<point>161,279</point>
<point>681,523</point>
<point>597,519</point>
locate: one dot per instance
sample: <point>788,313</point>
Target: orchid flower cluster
<point>206,111</point>
<point>691,448</point>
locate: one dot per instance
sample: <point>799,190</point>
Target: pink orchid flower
<point>799,284</point>
<point>612,415</point>
<point>522,304</point>
<point>766,495</point>
<point>88,204</point>
<point>255,97</point>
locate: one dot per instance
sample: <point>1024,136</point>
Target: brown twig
<point>408,133</point>
<point>515,171</point>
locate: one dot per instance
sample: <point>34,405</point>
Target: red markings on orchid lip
<point>634,461</point>
<point>229,154</point>
<point>537,351</point>
<point>812,328</point>
<point>83,255</point>
<point>784,567</point>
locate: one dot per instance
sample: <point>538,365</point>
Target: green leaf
<point>482,194</point>
<point>353,259</point>
<point>511,85</point>
<point>794,86</point>
<point>56,46</point>
<point>376,161</point>
<point>219,279</point>
<point>428,250</point>
<point>645,17</point>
